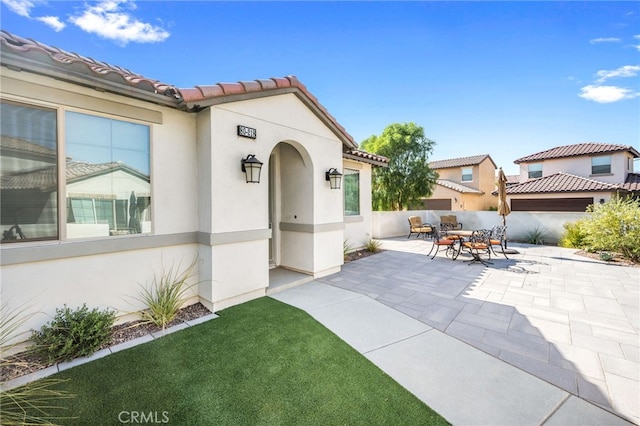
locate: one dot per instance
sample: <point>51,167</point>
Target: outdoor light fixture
<point>251,166</point>
<point>334,177</point>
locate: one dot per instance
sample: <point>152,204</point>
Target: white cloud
<point>624,71</point>
<point>637,37</point>
<point>605,40</point>
<point>108,19</point>
<point>606,94</point>
<point>21,7</point>
<point>52,21</point>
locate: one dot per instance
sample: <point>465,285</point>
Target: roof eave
<point>237,97</point>
<point>21,63</point>
<point>365,160</point>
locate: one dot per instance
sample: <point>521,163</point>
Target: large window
<point>28,173</point>
<point>467,174</point>
<point>600,165</point>
<point>535,170</point>
<point>107,175</point>
<point>110,187</point>
<point>351,192</point>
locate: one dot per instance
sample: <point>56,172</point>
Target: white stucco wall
<point>519,224</point>
<point>103,281</point>
<point>306,211</point>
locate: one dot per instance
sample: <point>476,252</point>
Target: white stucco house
<point>109,177</point>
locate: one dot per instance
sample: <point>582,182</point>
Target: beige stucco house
<point>464,183</point>
<point>570,177</point>
<point>108,178</point>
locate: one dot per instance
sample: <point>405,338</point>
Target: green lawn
<point>262,362</point>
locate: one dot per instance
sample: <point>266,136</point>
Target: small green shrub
<point>372,245</point>
<point>574,236</point>
<point>534,236</point>
<point>74,333</point>
<point>166,295</point>
<point>606,256</point>
<point>36,402</point>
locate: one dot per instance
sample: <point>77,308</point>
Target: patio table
<point>461,233</point>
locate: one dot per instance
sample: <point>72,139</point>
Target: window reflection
<point>28,173</point>
<point>351,192</point>
<point>108,182</point>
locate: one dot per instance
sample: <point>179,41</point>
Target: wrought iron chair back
<point>477,244</point>
<point>499,238</point>
<point>440,240</point>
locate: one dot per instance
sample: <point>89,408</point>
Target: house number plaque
<point>247,132</point>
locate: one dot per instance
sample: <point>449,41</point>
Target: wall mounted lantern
<point>251,166</point>
<point>334,177</point>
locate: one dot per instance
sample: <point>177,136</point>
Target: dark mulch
<point>359,254</point>
<point>27,362</point>
<point>617,259</point>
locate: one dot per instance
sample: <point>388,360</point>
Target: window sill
<point>600,174</point>
<point>17,253</point>
<point>353,219</point>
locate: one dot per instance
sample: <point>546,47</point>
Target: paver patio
<point>567,319</point>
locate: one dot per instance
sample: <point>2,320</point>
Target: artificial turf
<point>262,362</point>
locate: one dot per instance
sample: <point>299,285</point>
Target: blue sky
<point>501,78</point>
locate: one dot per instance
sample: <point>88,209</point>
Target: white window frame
<point>606,162</point>
<point>535,171</point>
<point>463,174</point>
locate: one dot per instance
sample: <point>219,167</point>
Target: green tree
<point>408,177</point>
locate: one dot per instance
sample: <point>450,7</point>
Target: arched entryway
<point>291,201</point>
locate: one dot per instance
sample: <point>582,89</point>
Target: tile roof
<point>460,162</point>
<point>35,52</point>
<point>375,159</point>
<point>45,179</point>
<point>632,183</point>
<point>458,187</point>
<point>560,182</point>
<point>577,149</point>
<point>16,145</point>
<point>513,179</point>
<point>23,53</point>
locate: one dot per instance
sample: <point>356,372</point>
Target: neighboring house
<point>463,184</point>
<point>109,178</point>
<point>570,177</point>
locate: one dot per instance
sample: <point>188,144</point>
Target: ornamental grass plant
<point>166,294</point>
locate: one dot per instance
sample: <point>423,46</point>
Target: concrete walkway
<point>546,337</point>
